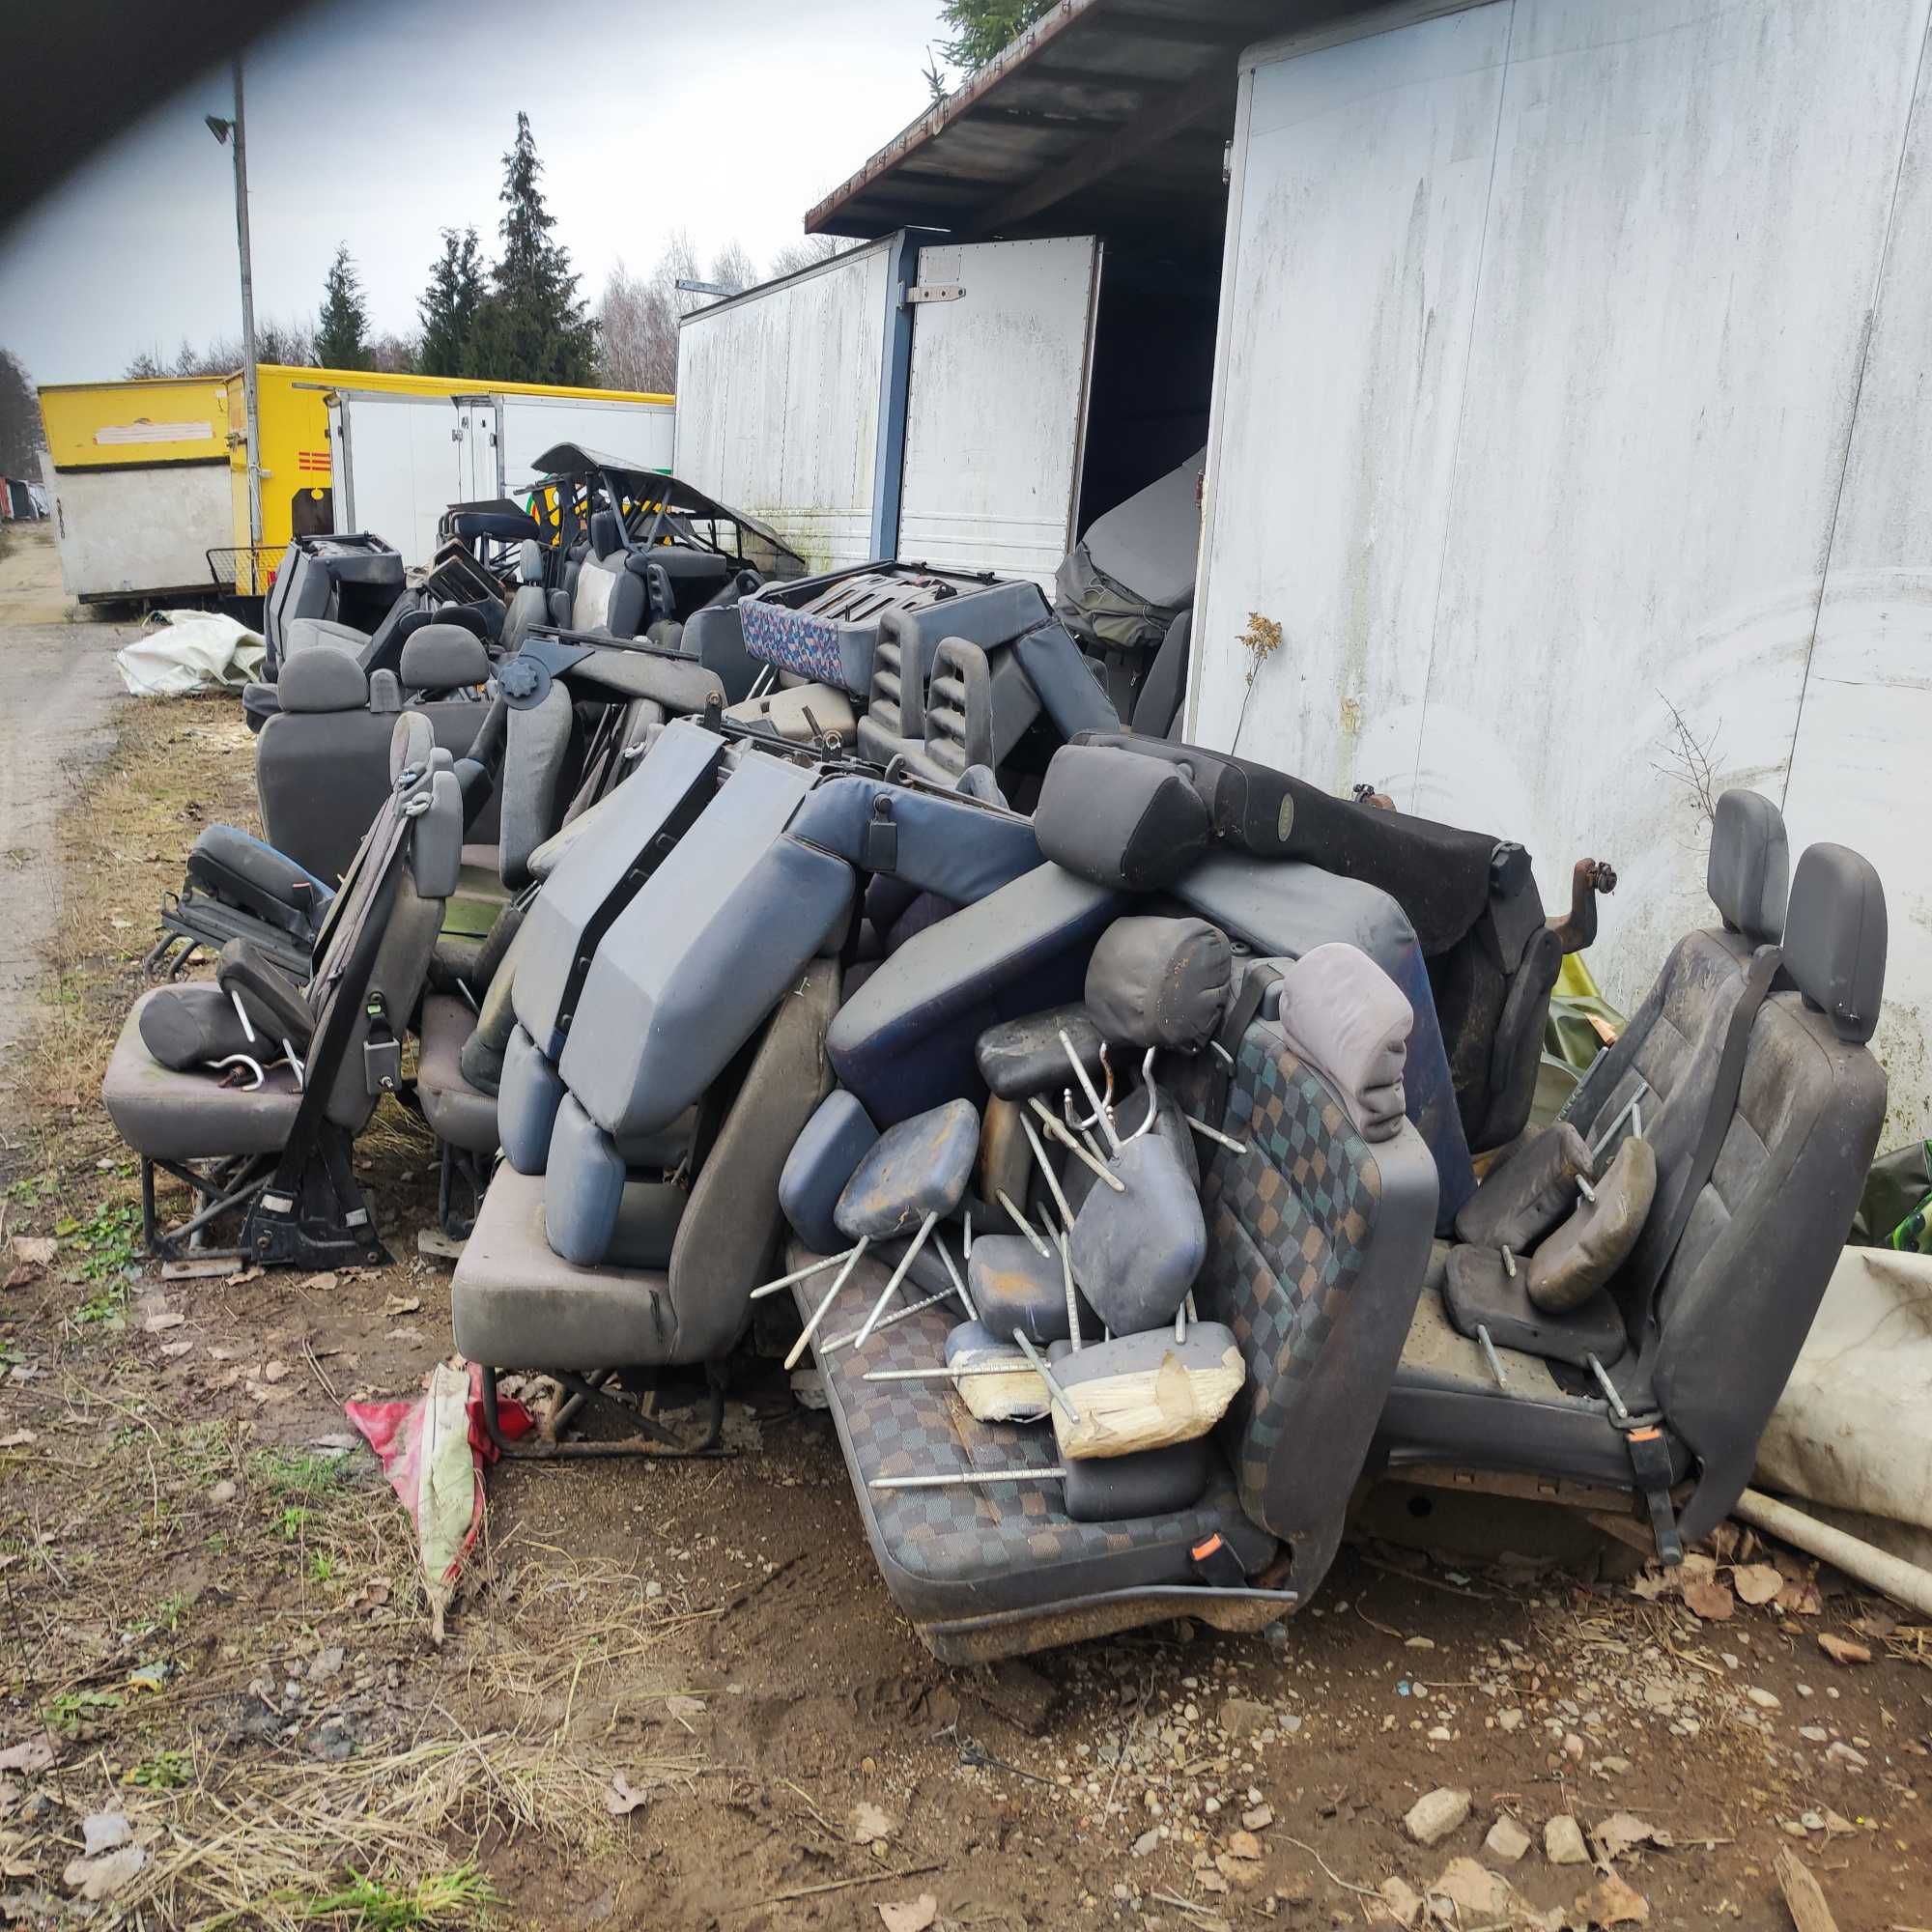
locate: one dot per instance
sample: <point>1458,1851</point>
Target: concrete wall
<point>1572,384</point>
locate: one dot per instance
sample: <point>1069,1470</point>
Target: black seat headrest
<point>443,657</point>
<point>1748,874</point>
<point>606,533</point>
<point>1107,815</point>
<point>500,526</point>
<point>322,679</point>
<point>1835,937</point>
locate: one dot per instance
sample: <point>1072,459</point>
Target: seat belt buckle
<point>879,848</point>
<point>1650,1464</point>
<point>1219,1565</point>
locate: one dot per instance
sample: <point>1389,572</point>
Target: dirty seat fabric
<point>457,1111</point>
<point>977,1551</point>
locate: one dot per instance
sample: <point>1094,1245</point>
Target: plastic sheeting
<point>189,651</point>
<point>1851,1434</point>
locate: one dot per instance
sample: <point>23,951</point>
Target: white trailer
<point>927,402</point>
<point>401,458</point>
<point>1571,419</point>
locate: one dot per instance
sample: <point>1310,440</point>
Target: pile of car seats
<point>1103,1107</point>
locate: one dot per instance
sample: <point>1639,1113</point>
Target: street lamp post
<point>222,130</point>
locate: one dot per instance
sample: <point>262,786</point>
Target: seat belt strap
<point>1650,1466</point>
<point>1241,1012</point>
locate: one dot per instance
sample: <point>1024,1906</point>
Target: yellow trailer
<point>346,449</point>
<point>138,480</point>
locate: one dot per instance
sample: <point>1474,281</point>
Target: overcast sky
<point>379,121</point>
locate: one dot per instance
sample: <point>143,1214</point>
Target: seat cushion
<point>981,1549</point>
<point>455,1110</point>
<point>170,1116</point>
<point>514,1303</point>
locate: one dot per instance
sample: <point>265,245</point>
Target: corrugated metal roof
<point>1106,117</point>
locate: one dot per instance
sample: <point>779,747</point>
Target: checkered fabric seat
<point>1317,1243</point>
<point>974,1568</point>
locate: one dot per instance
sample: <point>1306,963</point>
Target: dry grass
<point>275,1843</point>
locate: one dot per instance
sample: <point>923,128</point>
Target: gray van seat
<point>377,940</point>
<point>1715,1328</point>
<point>458,1113</point>
<point>514,1303</point>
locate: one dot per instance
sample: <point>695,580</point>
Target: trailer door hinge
<point>934,292</point>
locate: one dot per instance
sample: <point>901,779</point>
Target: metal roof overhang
<point>1107,117</point>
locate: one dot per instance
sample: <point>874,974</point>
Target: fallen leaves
<point>31,1754</point>
<point>1757,1582</point>
<point>621,1797</point>
<point>1611,1902</point>
<point>35,1251</point>
<point>1709,1599</point>
<point>912,1915</point>
<point>870,1825</point>
<point>1623,1831</point>
<point>1842,1649</point>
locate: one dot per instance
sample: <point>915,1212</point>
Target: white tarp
<point>1852,1434</point>
<point>193,650</point>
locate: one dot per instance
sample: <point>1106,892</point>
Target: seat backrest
<point>1318,1241</point>
<point>1719,1332</point>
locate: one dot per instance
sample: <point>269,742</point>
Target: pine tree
<point>533,326</point>
<point>449,307</point>
<point>981,28</point>
<point>341,335</point>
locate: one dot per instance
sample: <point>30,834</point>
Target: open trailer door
<point>996,403</point>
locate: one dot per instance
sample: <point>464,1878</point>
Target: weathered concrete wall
<point>1547,418</point>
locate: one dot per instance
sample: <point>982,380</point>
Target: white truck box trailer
<point>921,401</point>
<point>1571,419</point>
<point>401,459</point>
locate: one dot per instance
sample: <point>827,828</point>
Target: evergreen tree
<point>449,307</point>
<point>981,29</point>
<point>341,334</point>
<point>533,326</point>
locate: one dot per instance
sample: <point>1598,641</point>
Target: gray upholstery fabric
<point>677,684</point>
<point>1748,873</point>
<point>960,850</point>
<point>435,844</point>
<point>528,607</point>
<point>1528,1193</point>
<point>456,1111</point>
<point>584,1186</point>
<point>1479,1291</point>
<point>1161,982</point>
<point>836,1139</point>
<point>385,693</point>
<point>527,1097</point>
<point>443,657</point>
<point>1835,938</point>
<point>322,681</point>
<point>1158,706</point>
<point>1069,694</point>
<point>1577,1258</point>
<point>1345,1017</point>
<point>917,1168</point>
<point>536,749</point>
<point>411,743</point>
<point>677,776</point>
<point>305,637</point>
<point>703,952</point>
<point>649,1213</point>
<point>1126,1488</point>
<point>1148,542</point>
<point>1136,1255</point>
<point>186,1115</point>
<point>905,1040</point>
<point>1118,819</point>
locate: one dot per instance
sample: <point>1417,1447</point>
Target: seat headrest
<point>1834,935</point>
<point>1750,864</point>
<point>436,838</point>
<point>322,680</point>
<point>1119,820</point>
<point>411,743</point>
<point>385,694</point>
<point>530,561</point>
<point>606,534</point>
<point>443,657</point>
<point>1345,1017</point>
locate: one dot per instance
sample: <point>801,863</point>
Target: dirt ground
<point>677,1695</point>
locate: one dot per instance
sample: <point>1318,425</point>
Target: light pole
<point>221,130</point>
